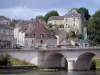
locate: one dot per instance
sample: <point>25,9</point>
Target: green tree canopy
<point>50,13</point>
<point>71,34</point>
<point>85,12</point>
<point>94,28</point>
<point>39,17</point>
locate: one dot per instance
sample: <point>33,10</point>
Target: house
<point>4,20</point>
<point>56,20</point>
<point>34,35</point>
<point>72,21</point>
<point>6,36</point>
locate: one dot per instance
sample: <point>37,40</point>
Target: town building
<point>32,34</point>
<point>4,20</point>
<point>56,20</point>
<point>6,33</point>
<point>72,21</point>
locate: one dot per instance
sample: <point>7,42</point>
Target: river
<point>51,73</point>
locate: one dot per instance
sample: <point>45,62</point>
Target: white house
<point>33,34</point>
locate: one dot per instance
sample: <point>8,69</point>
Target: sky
<point>28,9</point>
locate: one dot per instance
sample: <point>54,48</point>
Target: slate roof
<point>56,18</point>
<point>73,13</point>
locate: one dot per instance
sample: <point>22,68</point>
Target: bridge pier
<point>71,65</point>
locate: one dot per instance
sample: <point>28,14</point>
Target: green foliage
<point>50,25</point>
<point>79,36</point>
<point>39,17</point>
<point>97,62</point>
<point>4,60</point>
<point>71,34</point>
<point>49,14</point>
<point>85,12</point>
<point>13,22</point>
<point>17,62</point>
<point>93,65</point>
<point>94,28</point>
<point>8,60</point>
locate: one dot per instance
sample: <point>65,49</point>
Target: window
<point>76,44</point>
<point>73,19</point>
<point>41,35</point>
<point>85,45</point>
<point>41,41</point>
<point>73,24</point>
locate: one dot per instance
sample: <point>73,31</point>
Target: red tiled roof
<point>36,28</point>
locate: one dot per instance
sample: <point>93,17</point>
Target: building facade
<point>6,36</point>
<point>72,21</point>
<point>56,20</point>
<point>33,35</point>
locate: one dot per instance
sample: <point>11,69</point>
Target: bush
<point>71,34</point>
<point>4,60</point>
<point>93,65</point>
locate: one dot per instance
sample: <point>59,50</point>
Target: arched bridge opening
<point>84,60</point>
<point>56,60</point>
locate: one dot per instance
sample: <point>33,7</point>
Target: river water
<point>53,73</point>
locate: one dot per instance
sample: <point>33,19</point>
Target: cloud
<point>27,13</point>
<point>96,1</point>
<point>26,9</point>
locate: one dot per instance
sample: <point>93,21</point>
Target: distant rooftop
<point>34,28</point>
<point>56,18</point>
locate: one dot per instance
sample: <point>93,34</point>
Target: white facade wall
<point>73,25</point>
<point>57,22</point>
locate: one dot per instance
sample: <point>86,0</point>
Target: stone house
<point>6,36</point>
<point>33,34</point>
<point>72,21</point>
<point>56,20</point>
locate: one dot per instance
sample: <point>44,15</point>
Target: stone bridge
<point>77,58</point>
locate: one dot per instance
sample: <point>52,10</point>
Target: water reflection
<point>56,73</point>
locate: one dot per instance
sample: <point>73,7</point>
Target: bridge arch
<point>55,60</point>
<point>84,60</point>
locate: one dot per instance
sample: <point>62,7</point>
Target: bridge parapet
<point>53,49</point>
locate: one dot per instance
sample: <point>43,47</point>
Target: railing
<point>50,49</point>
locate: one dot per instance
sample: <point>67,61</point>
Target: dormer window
<point>41,35</point>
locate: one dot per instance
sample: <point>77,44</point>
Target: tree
<point>39,17</point>
<point>50,13</point>
<point>85,12</point>
<point>94,28</point>
<point>13,22</point>
<point>71,34</point>
<point>93,65</point>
